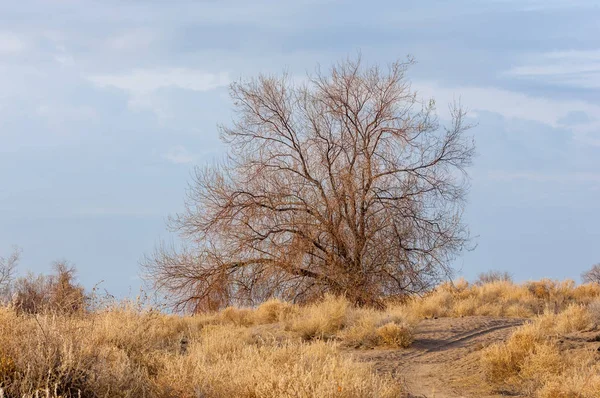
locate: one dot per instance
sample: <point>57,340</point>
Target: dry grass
<point>283,350</point>
<point>531,361</point>
<point>276,350</point>
<point>502,298</point>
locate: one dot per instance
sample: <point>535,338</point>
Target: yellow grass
<point>502,299</point>
<point>532,362</point>
<point>284,350</point>
<point>276,350</point>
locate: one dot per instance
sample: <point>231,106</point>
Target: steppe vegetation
<point>64,344</point>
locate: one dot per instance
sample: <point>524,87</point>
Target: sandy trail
<point>443,362</point>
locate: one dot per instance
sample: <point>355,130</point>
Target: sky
<point>107,106</point>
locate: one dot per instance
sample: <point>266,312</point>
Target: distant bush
<point>58,292</point>
<point>592,275</point>
<point>493,276</point>
<point>8,267</point>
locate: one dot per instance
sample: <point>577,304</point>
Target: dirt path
<point>444,359</point>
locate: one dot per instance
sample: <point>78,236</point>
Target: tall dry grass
<point>532,361</point>
<point>501,298</point>
<point>284,350</point>
<point>275,350</point>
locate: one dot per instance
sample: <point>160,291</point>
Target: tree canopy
<point>345,183</point>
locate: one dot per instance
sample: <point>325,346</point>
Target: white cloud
<point>10,43</point>
<point>179,155</point>
<point>143,81</point>
<point>515,105</point>
<point>142,86</point>
<point>566,68</point>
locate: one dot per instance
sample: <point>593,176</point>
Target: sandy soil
<point>444,359</point>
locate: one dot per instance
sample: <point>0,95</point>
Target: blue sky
<point>105,107</point>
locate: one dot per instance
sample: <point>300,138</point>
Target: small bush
<point>395,336</point>
<point>493,276</point>
<point>531,362</point>
<point>58,292</point>
<point>274,310</point>
<point>361,334</point>
<point>503,362</point>
<point>322,320</point>
<point>592,275</point>
<point>575,318</point>
<point>594,312</point>
<point>581,379</point>
<point>237,316</point>
<point>8,268</point>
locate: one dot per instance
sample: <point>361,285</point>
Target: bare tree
<point>8,268</point>
<point>57,292</point>
<point>592,275</point>
<point>493,276</point>
<point>345,184</point>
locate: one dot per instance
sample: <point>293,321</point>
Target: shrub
<point>530,361</point>
<point>592,275</point>
<point>58,292</point>
<point>395,336</point>
<point>493,276</point>
<point>503,362</point>
<point>237,316</point>
<point>8,267</point>
<point>274,311</point>
<point>323,319</point>
<point>573,319</point>
<point>361,334</point>
<point>594,312</point>
<point>580,380</point>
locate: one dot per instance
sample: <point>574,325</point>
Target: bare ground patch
<point>443,362</point>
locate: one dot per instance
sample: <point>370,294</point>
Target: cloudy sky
<point>105,108</point>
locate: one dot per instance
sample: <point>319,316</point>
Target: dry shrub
<point>59,355</point>
<point>501,298</point>
<point>433,305</point>
<point>574,318</point>
<point>555,294</point>
<point>543,363</point>
<point>323,319</point>
<point>274,310</point>
<point>580,380</point>
<point>360,331</point>
<point>394,335</point>
<point>493,276</point>
<point>531,362</point>
<point>237,316</point>
<point>503,362</point>
<point>594,312</point>
<point>59,292</point>
<point>586,293</point>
